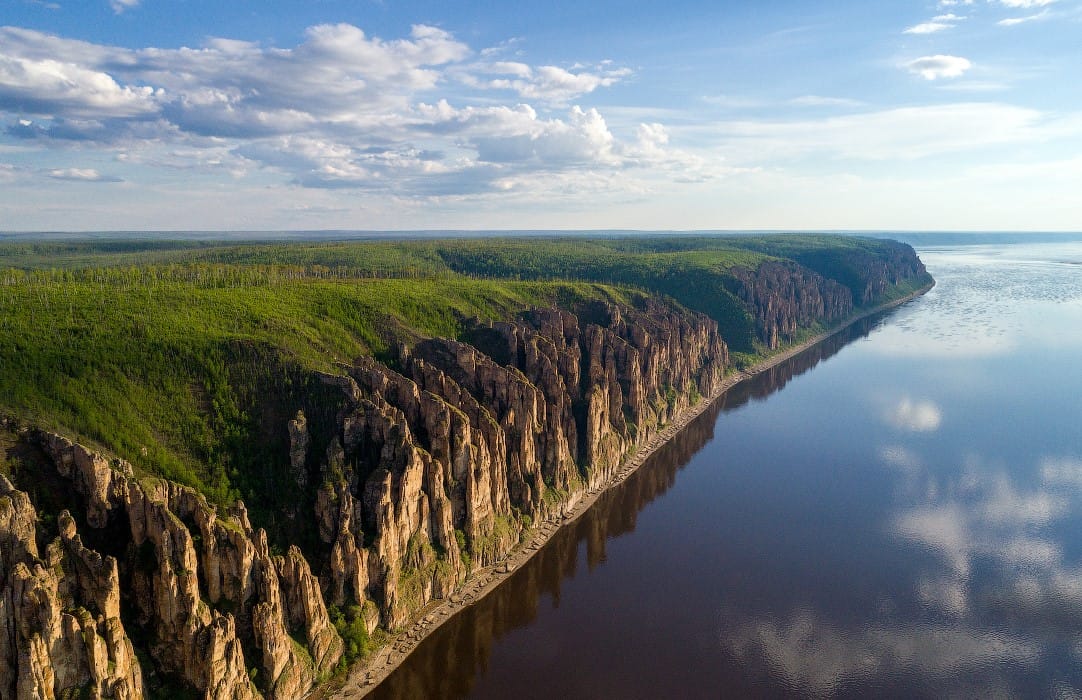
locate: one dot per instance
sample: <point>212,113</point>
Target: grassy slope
<point>175,354</point>
<point>164,366</point>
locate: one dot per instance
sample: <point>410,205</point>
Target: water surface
<point>903,520</point>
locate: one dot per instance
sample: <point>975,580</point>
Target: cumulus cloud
<point>47,86</point>
<point>983,514</point>
<point>939,66</point>
<point>948,594</point>
<point>548,84</point>
<point>340,109</point>
<point>1003,552</point>
<point>554,84</point>
<point>943,528</point>
<point>1003,504</point>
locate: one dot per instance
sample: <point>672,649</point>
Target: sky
<point>599,114</point>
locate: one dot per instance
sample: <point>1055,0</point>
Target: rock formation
<point>207,587</point>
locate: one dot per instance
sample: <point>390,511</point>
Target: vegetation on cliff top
<point>175,354</point>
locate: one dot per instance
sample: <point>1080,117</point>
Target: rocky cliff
<point>442,461</point>
<point>431,464</point>
<point>784,297</point>
<point>433,469</point>
<point>208,602</point>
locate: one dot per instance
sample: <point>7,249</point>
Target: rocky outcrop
<point>432,470</point>
<point>438,465</point>
<point>207,586</point>
<point>785,297</point>
<point>869,272</point>
<point>60,626</point>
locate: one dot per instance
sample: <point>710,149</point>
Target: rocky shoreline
<point>366,676</point>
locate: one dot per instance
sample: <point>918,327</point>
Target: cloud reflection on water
<point>916,416</point>
<point>817,657</point>
<point>1015,611</point>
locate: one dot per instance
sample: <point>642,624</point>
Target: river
<point>896,512</point>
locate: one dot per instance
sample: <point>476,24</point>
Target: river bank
<point>365,677</point>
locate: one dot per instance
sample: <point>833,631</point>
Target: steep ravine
<point>437,464</point>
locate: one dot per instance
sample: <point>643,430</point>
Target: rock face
<point>440,464</point>
<point>784,297</point>
<point>432,470</point>
<point>436,464</point>
<point>207,587</point>
<point>60,626</point>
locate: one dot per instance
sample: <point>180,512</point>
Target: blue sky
<point>141,114</point>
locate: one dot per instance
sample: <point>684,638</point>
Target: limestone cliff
<point>198,587</point>
<point>432,470</point>
<point>440,464</point>
<point>784,297</point>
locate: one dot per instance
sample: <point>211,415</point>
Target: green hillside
<point>182,357</point>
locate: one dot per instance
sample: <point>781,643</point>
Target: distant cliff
<point>403,475</point>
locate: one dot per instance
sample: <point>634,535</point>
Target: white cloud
<point>548,84</point>
<point>944,528</point>
<point>341,109</point>
<point>1030,552</point>
<point>32,86</point>
<point>1025,3</point>
<point>936,24</point>
<point>939,66</point>
<point>80,175</point>
<point>1013,21</point>
<point>948,594</point>
<point>928,28</point>
<point>554,84</point>
<point>120,6</point>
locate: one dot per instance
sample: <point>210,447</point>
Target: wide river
<point>895,513</point>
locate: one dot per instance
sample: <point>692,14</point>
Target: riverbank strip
<point>366,675</point>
